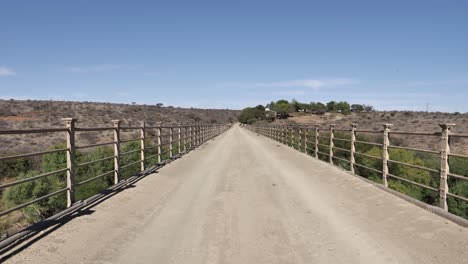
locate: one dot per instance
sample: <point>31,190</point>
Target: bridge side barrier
<point>130,155</point>
<point>353,149</point>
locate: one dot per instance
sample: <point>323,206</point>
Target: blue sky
<point>231,54</point>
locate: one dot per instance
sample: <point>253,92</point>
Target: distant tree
<point>357,108</point>
<point>282,101</point>
<point>250,115</point>
<point>343,107</point>
<point>271,105</point>
<point>317,108</point>
<point>260,107</point>
<point>295,106</point>
<point>331,106</point>
<point>282,109</point>
<point>133,103</point>
<point>159,104</point>
<point>369,108</point>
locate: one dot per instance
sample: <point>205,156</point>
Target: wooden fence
<point>323,142</point>
<point>173,140</point>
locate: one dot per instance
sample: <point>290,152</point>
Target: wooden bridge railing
<point>324,143</point>
<point>170,139</point>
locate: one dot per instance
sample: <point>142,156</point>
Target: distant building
<point>270,114</point>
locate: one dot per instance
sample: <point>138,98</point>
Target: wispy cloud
<point>5,71</point>
<point>301,83</point>
<point>95,68</point>
<point>150,74</point>
<point>308,83</point>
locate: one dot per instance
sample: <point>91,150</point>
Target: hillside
<point>18,114</point>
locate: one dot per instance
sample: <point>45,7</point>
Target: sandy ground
<point>242,198</point>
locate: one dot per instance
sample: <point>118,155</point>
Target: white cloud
<point>303,83</point>
<point>5,71</point>
<point>95,69</point>
<point>308,83</point>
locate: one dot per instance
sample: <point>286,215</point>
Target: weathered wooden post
<point>317,131</point>
<point>190,136</point>
<point>444,164</point>
<point>282,134</point>
<point>300,139</point>
<point>332,136</point>
<point>171,138</point>
<point>278,135</point>
<point>178,138</point>
<point>159,141</point>
<point>352,160</point>
<point>292,136</point>
<point>71,162</point>
<point>142,145</point>
<point>385,153</point>
<point>285,135</point>
<point>185,138</point>
<point>116,151</point>
<point>306,139</point>
<point>203,134</point>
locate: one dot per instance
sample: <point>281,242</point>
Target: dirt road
<point>242,198</point>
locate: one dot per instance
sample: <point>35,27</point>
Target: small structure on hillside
<point>270,114</point>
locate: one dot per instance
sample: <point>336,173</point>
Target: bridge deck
<point>242,198</point>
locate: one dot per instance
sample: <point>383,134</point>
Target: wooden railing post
<point>171,139</point>
<point>190,136</point>
<point>292,136</point>
<point>317,131</point>
<point>159,141</point>
<point>332,136</point>
<point>282,134</point>
<point>285,135</point>
<point>444,165</point>
<point>203,130</point>
<point>116,151</point>
<point>299,143</point>
<point>277,129</point>
<point>352,160</point>
<point>185,138</point>
<point>306,139</point>
<point>143,145</point>
<point>385,153</point>
<point>179,141</point>
<point>202,134</point>
<point>71,162</point>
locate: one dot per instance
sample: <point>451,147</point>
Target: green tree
<point>343,107</point>
<point>331,106</point>
<point>357,108</point>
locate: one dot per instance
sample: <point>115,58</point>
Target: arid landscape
<point>18,114</point>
